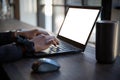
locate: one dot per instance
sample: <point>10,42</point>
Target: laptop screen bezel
<point>74,43</point>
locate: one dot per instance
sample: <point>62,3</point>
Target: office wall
<point>28,11</point>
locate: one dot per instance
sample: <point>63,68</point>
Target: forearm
<point>10,52</point>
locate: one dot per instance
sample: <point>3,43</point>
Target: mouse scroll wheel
<point>35,66</point>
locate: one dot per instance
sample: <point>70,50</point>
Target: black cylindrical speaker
<point>106,41</point>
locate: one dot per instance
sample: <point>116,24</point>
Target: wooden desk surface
<point>81,66</point>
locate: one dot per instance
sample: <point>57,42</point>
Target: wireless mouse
<point>45,65</point>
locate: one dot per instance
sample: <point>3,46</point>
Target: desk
<point>81,66</point>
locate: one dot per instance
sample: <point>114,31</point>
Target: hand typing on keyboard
<point>54,48</point>
<point>42,42</point>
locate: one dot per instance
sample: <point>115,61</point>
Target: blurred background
<point>49,14</point>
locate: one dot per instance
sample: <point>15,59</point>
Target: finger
<point>51,41</point>
<point>54,43</point>
<point>57,41</point>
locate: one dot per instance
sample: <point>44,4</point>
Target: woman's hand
<point>32,33</point>
<point>42,42</point>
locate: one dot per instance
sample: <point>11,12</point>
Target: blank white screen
<point>78,24</point>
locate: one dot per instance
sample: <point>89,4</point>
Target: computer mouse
<point>45,65</point>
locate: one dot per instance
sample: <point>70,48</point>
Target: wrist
<point>27,46</point>
<point>19,33</point>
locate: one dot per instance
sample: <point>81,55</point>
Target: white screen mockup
<point>78,24</point>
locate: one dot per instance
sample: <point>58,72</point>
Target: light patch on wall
<point>48,15</point>
<point>30,7</point>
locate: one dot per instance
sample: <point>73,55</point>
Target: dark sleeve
<point>6,38</point>
<point>10,52</point>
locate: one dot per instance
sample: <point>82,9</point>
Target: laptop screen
<point>78,24</point>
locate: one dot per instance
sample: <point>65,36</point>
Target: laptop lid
<point>78,25</point>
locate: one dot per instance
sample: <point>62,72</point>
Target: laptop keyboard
<point>62,47</point>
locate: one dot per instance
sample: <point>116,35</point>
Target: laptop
<point>74,32</point>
